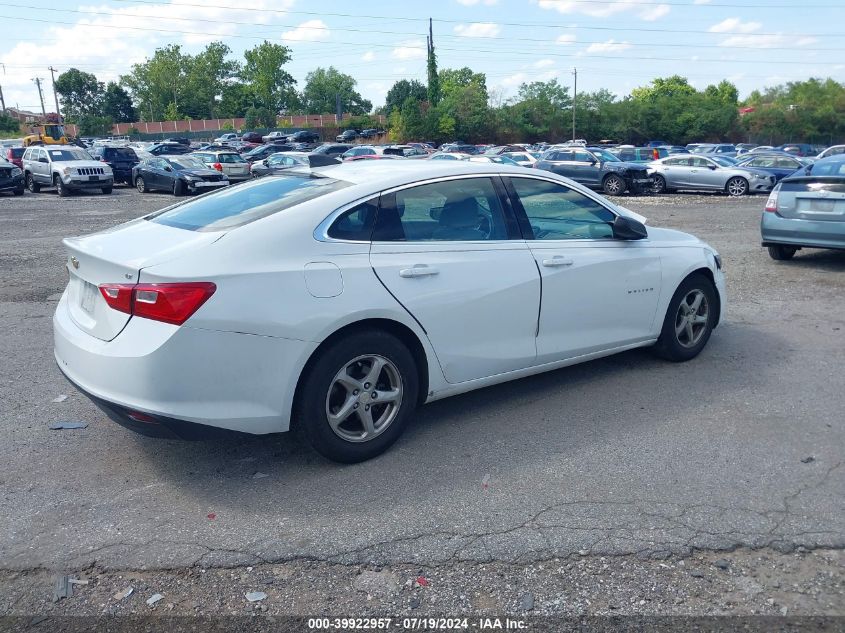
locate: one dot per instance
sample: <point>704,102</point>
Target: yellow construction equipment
<point>45,134</point>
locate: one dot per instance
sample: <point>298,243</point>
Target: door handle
<point>557,260</point>
<point>418,270</point>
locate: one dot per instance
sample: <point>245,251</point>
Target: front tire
<point>18,192</point>
<point>613,185</point>
<point>178,188</point>
<point>107,190</point>
<point>690,319</point>
<point>737,186</point>
<point>782,253</point>
<point>356,398</point>
<point>61,188</point>
<point>659,185</point>
<point>33,186</point>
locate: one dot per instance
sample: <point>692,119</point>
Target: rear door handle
<point>418,270</point>
<point>557,260</point>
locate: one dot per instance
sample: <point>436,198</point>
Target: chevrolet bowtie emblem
<point>75,262</point>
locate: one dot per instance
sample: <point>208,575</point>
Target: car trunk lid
<point>117,257</point>
<point>813,198</point>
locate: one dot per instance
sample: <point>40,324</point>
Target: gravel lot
<point>626,485</point>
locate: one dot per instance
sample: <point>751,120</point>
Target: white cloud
<point>610,46</point>
<point>412,49</point>
<point>368,56</point>
<point>470,3</point>
<point>735,25</point>
<point>645,9</point>
<point>310,31</point>
<point>701,1</point>
<point>478,29</point>
<point>655,13</point>
<point>566,38</point>
<point>544,63</point>
<point>773,40</point>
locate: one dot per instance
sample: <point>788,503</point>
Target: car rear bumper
<point>227,380</point>
<point>775,229</point>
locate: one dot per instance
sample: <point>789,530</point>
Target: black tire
<point>782,253</point>
<point>107,190</point>
<point>318,387</point>
<point>677,346</point>
<point>178,188</point>
<point>33,186</point>
<point>659,184</point>
<point>141,184</point>
<point>18,192</point>
<point>61,188</point>
<point>613,185</point>
<point>736,186</point>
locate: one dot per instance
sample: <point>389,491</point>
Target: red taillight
<point>170,303</point>
<point>118,296</point>
<point>772,202</point>
<point>217,166</point>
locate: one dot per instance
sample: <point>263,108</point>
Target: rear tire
<point>689,321</point>
<point>613,185</point>
<point>33,186</point>
<point>337,390</point>
<point>141,185</point>
<point>782,253</point>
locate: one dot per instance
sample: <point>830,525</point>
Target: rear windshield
<point>236,206</point>
<point>230,158</point>
<point>17,152</point>
<point>122,152</point>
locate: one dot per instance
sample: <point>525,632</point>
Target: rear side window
<point>236,206</point>
<point>466,209</point>
<point>355,224</point>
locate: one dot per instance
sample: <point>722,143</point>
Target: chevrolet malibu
<point>334,300</point>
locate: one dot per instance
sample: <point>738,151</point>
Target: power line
<point>476,50</point>
<point>412,33</point>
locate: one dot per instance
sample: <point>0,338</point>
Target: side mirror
<point>625,228</point>
<point>712,167</point>
<point>168,168</point>
<point>593,161</point>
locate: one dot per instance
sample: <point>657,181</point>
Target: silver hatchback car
<point>227,162</point>
<point>806,209</point>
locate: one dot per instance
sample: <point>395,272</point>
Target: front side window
<point>701,162</point>
<point>466,209</point>
<point>556,212</point>
<point>678,162</point>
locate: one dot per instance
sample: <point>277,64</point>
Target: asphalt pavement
<point>740,448</point>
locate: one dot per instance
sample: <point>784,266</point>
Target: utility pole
<point>574,98</point>
<point>55,95</point>
<point>2,101</point>
<point>37,81</point>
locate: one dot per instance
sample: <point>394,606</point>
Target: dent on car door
<point>598,292</point>
<point>450,252</point>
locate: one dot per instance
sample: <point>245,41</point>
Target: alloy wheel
<point>691,318</point>
<point>364,398</point>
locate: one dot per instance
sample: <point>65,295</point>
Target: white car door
<point>598,292</point>
<point>453,257</point>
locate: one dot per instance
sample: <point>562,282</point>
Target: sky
<point>613,44</point>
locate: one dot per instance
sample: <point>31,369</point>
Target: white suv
<point>65,167</point>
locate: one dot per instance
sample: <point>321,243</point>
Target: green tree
<point>9,124</point>
<point>433,88</point>
<point>94,125</point>
<point>80,94</point>
<point>264,74</point>
<point>401,90</point>
<point>235,99</point>
<point>206,75</point>
<point>259,118</point>
<point>117,104</point>
<point>159,82</point>
<point>323,85</point>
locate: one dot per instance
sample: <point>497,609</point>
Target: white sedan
<point>337,299</point>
